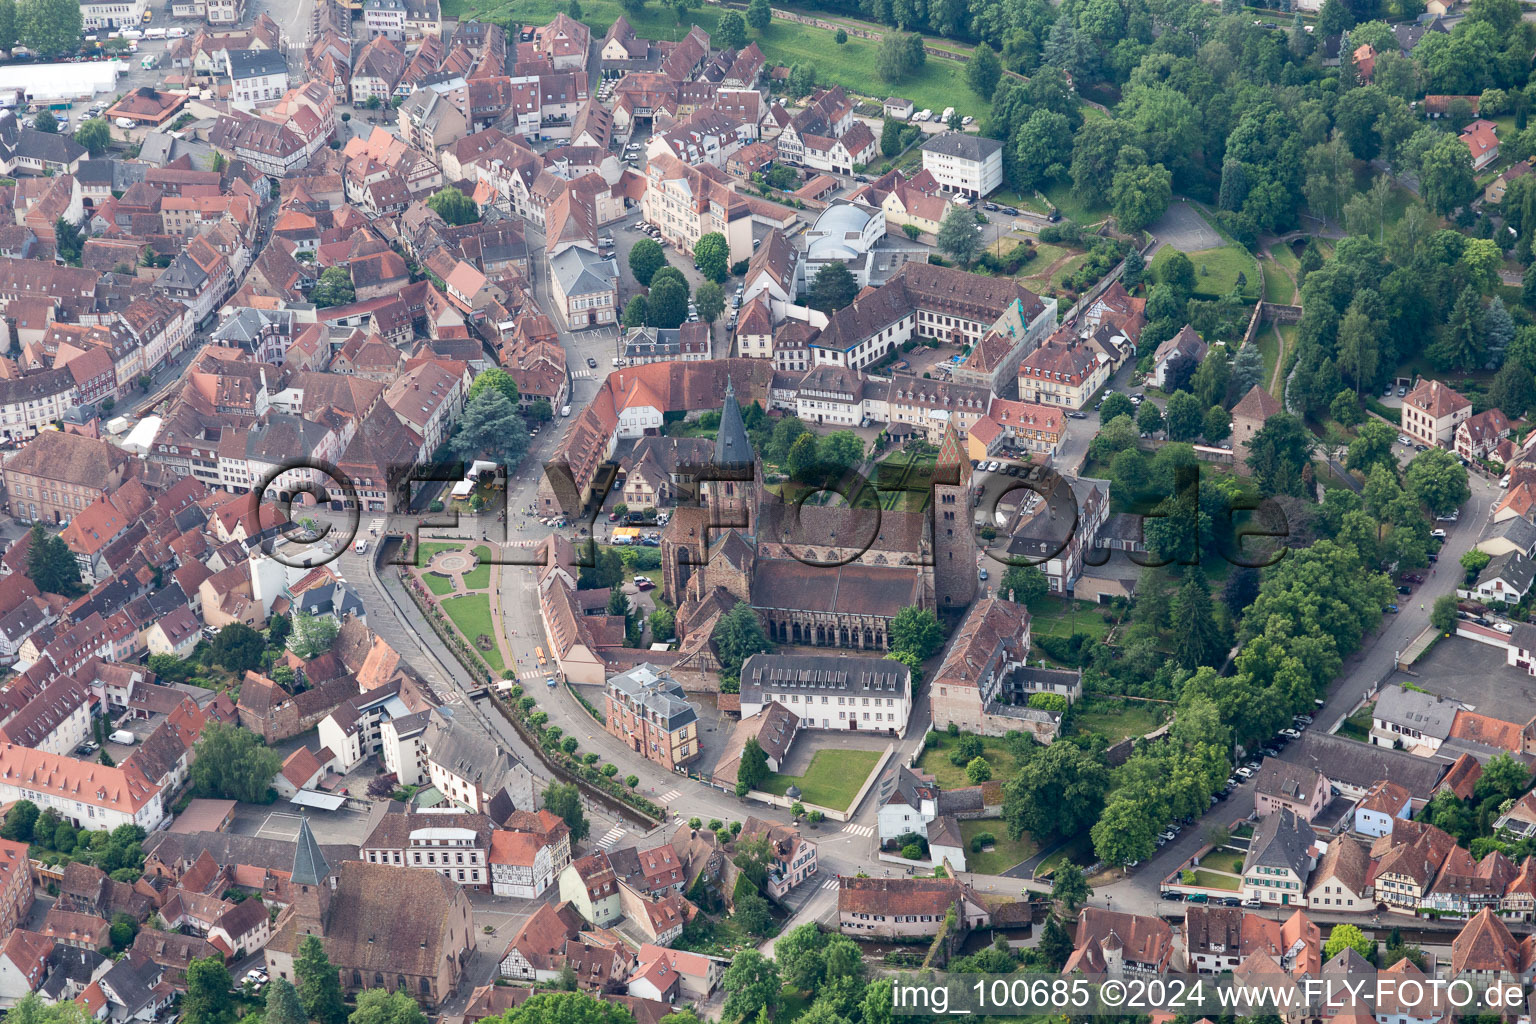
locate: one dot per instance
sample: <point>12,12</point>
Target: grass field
<point>948,776</point>
<point>1054,618</point>
<point>479,577</point>
<point>439,585</point>
<point>832,780</point>
<point>939,83</point>
<point>1278,285</point>
<point>1212,880</point>
<point>1005,853</point>
<point>472,616</point>
<point>428,549</point>
<point>1115,720</point>
<point>1358,725</point>
<point>1062,197</point>
<point>1216,270</point>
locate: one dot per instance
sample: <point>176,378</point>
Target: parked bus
<point>539,652</point>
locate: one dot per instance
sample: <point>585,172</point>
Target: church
<point>828,575</point>
<point>355,912</point>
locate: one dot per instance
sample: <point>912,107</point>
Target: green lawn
<point>1216,270</point>
<point>832,780</point>
<point>439,585</point>
<point>1051,616</point>
<point>938,84</point>
<point>479,577</point>
<point>935,762</point>
<point>1212,880</point>
<point>1278,286</point>
<point>1115,719</point>
<point>472,616</point>
<point>428,549</point>
<point>1005,853</point>
<point>1063,198</point>
<point>1269,350</point>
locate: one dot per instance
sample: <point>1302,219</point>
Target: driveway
<point>1183,228</point>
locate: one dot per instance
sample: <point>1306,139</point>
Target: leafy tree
<point>983,71</point>
<point>1279,453</point>
<point>233,764</point>
<point>667,304</point>
<point>710,301</point>
<point>69,243</point>
<point>1372,447</point>
<point>840,37</point>
<point>1345,408</point>
<point>319,984</point>
<point>493,379</point>
<point>282,1004</point>
<point>753,768</point>
<point>799,956</point>
<point>1055,944</point>
<point>564,800</point>
<point>1024,584</point>
<point>51,565</point>
<point>238,647</point>
<point>750,910</point>
<point>899,55</point>
<point>1199,640</point>
<point>1116,405</point>
<point>663,622</point>
<point>738,634</point>
<point>46,122</point>
<point>1443,615</point>
<point>19,821</point>
<point>645,258</point>
<point>95,135</point>
<point>759,14</point>
<point>376,1006</point>
<point>1057,792</point>
<point>1445,169</point>
<point>490,425</point>
<point>731,31</point>
<point>978,771</point>
<point>634,312</point>
<point>1140,195</point>
<point>567,1008</point>
<point>209,999</point>
<point>1247,370</point>
<point>1460,343</point>
<point>958,236</point>
<point>7,25</point>
<point>453,206</point>
<point>891,143</point>
<point>1185,416</point>
<point>1438,480</point>
<point>713,256</point>
<point>312,635</point>
<point>1218,424</point>
<point>916,631</point>
<point>1348,936</point>
<point>1149,418</point>
<point>832,288</point>
<point>334,288</point>
<point>1070,888</point>
<point>751,984</point>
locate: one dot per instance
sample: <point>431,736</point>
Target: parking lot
<point>1476,675</point>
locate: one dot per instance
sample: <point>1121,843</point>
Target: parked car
<point>549,681</point>
<point>591,363</point>
<point>1405,590</point>
<point>1197,897</point>
<point>1504,627</point>
<point>1437,534</point>
<point>1252,903</point>
<point>1074,414</point>
<point>982,575</point>
<point>1290,734</point>
<point>1167,837</point>
<point>1165,894</point>
<point>1245,773</point>
<point>1402,439</point>
<point>1402,389</point>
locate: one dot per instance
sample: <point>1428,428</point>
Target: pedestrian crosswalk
<point>830,883</point>
<point>862,831</point>
<point>376,526</point>
<point>532,673</point>
<point>583,374</point>
<point>610,838</point>
<point>668,797</point>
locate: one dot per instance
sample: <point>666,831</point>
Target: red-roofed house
<point>1482,140</point>
<point>1433,411</point>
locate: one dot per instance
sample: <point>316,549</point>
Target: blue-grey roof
<point>309,866</point>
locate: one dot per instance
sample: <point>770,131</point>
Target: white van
<point>123,122</point>
<point>949,112</point>
<point>176,33</point>
<point>154,33</point>
<point>361,546</point>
